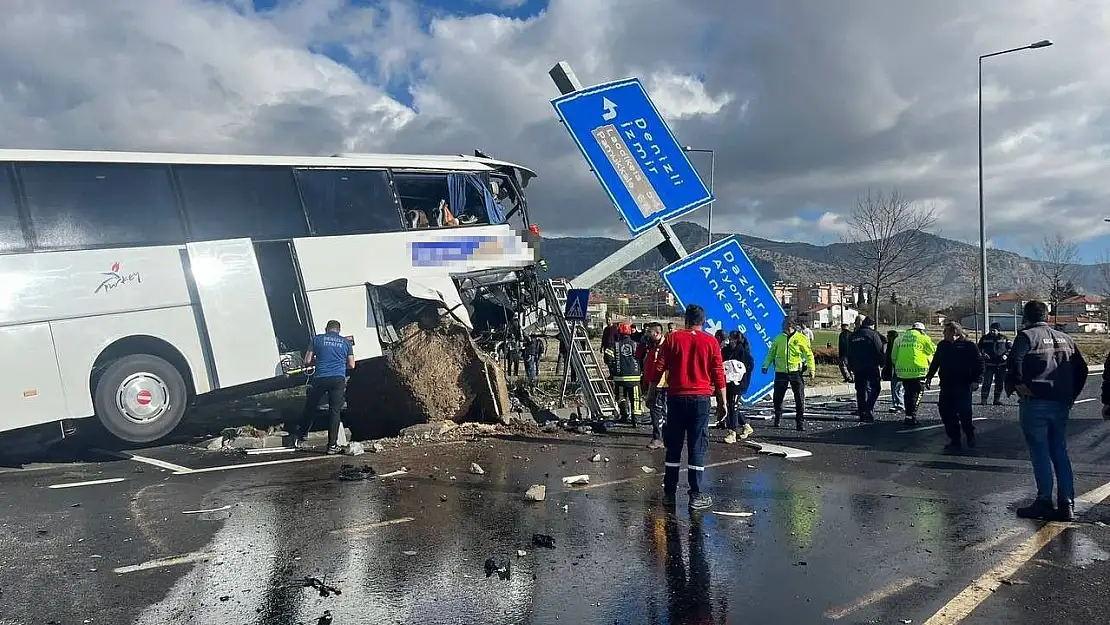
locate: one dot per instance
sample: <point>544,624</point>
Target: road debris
<point>443,497</point>
<point>574,480</point>
<point>595,458</point>
<point>543,540</point>
<point>351,473</point>
<point>355,449</point>
<point>400,471</point>
<point>477,469</point>
<point>409,553</point>
<point>742,515</point>
<point>520,553</point>
<point>320,586</point>
<point>647,469</point>
<point>377,448</point>
<point>536,492</point>
<point>566,507</point>
<point>325,619</point>
<point>499,565</point>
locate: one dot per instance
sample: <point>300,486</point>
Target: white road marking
<point>932,427</point>
<point>1008,535</point>
<point>161,464</point>
<point>249,465</point>
<point>977,592</point>
<point>778,450</point>
<point>187,558</point>
<point>873,597</point>
<point>220,509</point>
<point>89,483</point>
<point>1083,401</point>
<point>358,529</point>
<point>642,475</point>
<point>741,515</point>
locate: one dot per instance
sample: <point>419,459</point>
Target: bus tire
<point>140,398</point>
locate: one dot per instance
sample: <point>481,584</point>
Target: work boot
<point>669,499</point>
<point>334,449</point>
<point>730,438</point>
<point>799,425</point>
<point>701,501</point>
<point>1065,511</point>
<point>655,444</point>
<point>746,432</point>
<point>1039,509</point>
<point>997,401</point>
<point>953,445</point>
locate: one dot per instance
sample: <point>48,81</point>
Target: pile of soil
<point>434,373</point>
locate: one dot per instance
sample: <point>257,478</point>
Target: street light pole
<point>982,216</point>
<point>712,173</point>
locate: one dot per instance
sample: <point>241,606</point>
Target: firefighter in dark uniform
<point>996,349</point>
<point>866,356</point>
<point>333,355</point>
<point>625,370</point>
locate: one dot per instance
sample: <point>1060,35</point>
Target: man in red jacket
<point>691,358</point>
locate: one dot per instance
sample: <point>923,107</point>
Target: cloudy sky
<point>807,103</point>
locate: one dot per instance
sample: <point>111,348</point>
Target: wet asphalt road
<point>878,526</point>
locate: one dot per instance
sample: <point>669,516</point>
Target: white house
<point>829,316</point>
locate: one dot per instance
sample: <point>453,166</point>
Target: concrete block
<point>246,442</point>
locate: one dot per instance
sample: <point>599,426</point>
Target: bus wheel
<point>140,398</point>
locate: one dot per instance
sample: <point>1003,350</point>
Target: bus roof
<point>398,161</point>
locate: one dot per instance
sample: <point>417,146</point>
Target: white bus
<point>133,283</point>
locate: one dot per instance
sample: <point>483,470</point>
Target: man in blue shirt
<point>333,355</point>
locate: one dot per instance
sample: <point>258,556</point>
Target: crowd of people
<point>677,374</point>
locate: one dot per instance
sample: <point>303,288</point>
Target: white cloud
<point>805,103</point>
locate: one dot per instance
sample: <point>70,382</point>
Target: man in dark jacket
<point>737,349</point>
<point>960,365</point>
<point>1048,373</point>
<point>843,347</point>
<point>996,349</point>
<point>626,372</point>
<point>866,358</point>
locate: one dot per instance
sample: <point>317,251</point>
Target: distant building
<point>784,293</point>
<point>1007,303</point>
<point>825,294</point>
<point>1081,325</point>
<point>1008,320</point>
<point>1080,306</point>
<point>829,316</point>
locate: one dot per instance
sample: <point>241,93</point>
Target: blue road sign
<point>578,300</point>
<point>635,155</point>
<point>722,279</point>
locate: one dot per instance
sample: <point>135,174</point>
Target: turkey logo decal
<point>116,278</point>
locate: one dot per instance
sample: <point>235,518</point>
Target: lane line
<point>1083,401</point>
<point>642,475</point>
<point>872,597</point>
<point>1006,536</point>
<point>358,529</point>
<point>249,465</point>
<point>89,483</point>
<point>933,427</point>
<point>963,604</point>
<point>220,509</point>
<point>154,462</point>
<point>188,558</point>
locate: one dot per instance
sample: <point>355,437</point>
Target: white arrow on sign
<point>610,109</point>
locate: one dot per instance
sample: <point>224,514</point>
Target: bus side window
<point>11,230</point>
<point>233,201</point>
<point>76,205</point>
<point>349,201</point>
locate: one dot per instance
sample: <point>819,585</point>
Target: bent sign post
<point>722,279</point>
<point>633,153</point>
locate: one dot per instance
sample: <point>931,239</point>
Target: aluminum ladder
<point>581,355</point>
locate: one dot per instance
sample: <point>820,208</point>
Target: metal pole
<point>712,173</point>
<point>985,298</point>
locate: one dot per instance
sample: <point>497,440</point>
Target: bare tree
<point>1058,258</point>
<point>1103,268</point>
<point>887,245</point>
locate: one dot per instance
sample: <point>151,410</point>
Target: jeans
<point>335,388</point>
<point>798,386</point>
<point>1045,425</point>
<point>531,368</point>
<point>735,419</point>
<point>997,375</point>
<point>897,394</point>
<point>915,388</point>
<point>867,393</point>
<point>687,421</point>
<point>954,406</point>
<point>658,411</point>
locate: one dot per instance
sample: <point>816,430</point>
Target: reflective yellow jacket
<point>913,351</point>
<point>788,353</point>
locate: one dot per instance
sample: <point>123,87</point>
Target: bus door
<point>285,295</point>
<point>234,311</point>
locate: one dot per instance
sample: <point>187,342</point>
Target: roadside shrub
<point>826,356</point>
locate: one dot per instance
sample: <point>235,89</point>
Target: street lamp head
<point>1044,43</point>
